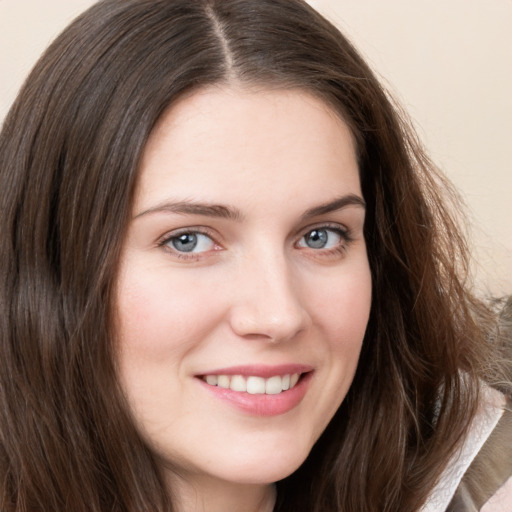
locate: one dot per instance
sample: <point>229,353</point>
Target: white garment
<point>486,419</point>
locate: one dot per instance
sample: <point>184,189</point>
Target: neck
<point>211,495</point>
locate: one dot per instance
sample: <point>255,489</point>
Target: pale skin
<point>245,250</point>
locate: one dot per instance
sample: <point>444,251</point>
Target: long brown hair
<point>69,155</point>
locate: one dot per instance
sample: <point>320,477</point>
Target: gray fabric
<point>490,469</point>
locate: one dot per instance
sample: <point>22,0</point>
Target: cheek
<point>159,322</point>
<point>159,316</point>
<point>342,309</point>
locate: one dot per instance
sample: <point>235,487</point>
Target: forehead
<point>230,142</point>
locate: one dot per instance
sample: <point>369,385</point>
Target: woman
<point>227,264</point>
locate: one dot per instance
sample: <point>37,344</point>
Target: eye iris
<point>186,242</point>
<point>317,238</point>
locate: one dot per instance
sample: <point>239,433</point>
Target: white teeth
<point>223,381</point>
<point>238,383</point>
<point>254,385</point>
<point>274,385</point>
<point>211,379</point>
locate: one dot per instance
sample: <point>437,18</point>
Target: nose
<point>268,302</point>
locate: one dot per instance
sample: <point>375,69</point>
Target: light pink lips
<point>261,404</point>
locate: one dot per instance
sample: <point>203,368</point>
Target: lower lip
<point>261,404</point>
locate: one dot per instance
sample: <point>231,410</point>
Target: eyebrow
<point>336,204</point>
<point>231,213</point>
<point>195,208</point>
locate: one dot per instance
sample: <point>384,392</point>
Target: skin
<point>256,290</point>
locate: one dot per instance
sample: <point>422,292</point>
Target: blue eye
<point>191,242</point>
<point>321,238</point>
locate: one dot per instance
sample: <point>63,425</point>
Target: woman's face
<point>244,287</point>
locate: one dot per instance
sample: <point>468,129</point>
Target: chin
<point>262,468</point>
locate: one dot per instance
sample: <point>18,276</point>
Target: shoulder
<point>487,483</point>
<point>479,475</point>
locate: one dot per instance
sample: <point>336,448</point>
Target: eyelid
<point>326,253</point>
<point>165,239</point>
<point>184,230</point>
<point>344,231</point>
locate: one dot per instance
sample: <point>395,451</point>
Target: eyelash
<point>344,233</point>
<point>168,238</point>
<point>345,240</point>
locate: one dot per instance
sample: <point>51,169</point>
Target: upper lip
<point>265,371</point>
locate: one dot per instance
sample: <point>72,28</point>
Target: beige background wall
<point>448,62</point>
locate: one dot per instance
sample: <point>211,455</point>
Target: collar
<point>489,413</point>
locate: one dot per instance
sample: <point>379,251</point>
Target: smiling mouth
<point>254,385</point>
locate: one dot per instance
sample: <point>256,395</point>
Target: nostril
<point>256,325</point>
